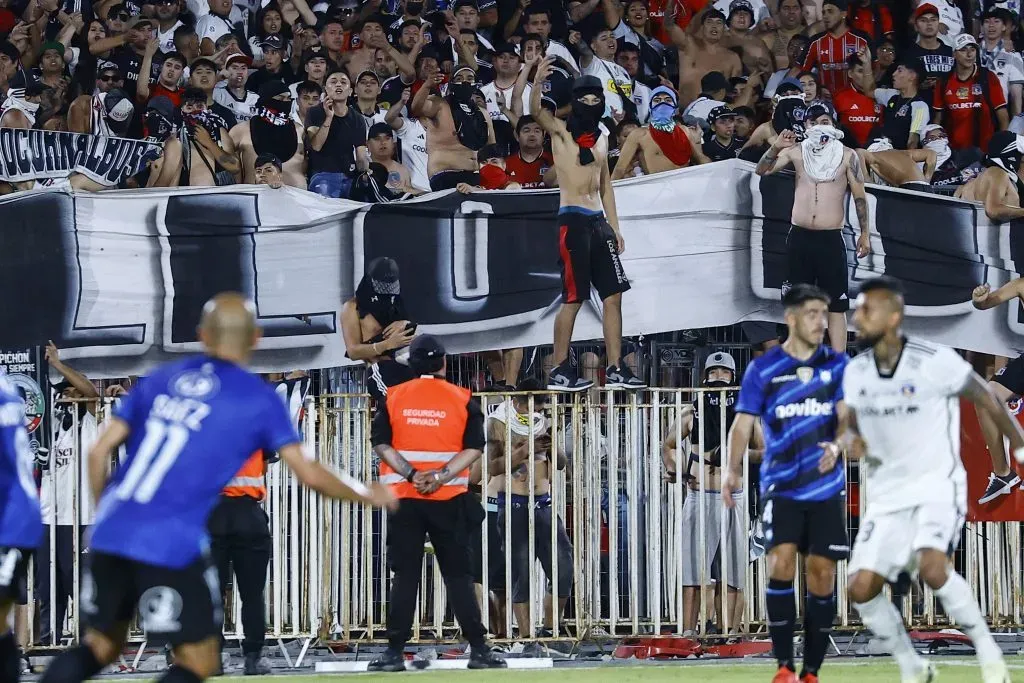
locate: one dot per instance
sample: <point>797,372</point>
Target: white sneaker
<point>995,673</point>
<point>926,675</point>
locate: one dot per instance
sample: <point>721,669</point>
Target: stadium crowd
<point>385,99</point>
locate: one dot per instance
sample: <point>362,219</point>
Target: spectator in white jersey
<point>413,138</point>
<point>998,56</point>
<point>232,93</point>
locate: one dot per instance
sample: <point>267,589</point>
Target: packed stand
<point>388,99</point>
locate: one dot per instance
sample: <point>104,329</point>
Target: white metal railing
<point>328,577</point>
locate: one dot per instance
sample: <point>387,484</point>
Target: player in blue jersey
<point>21,525</point>
<point>188,428</point>
<point>796,390</point>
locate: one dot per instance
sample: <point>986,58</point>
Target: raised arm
<point>984,298</point>
<point>777,157</point>
<point>548,122</point>
<point>423,103</point>
<point>76,379</point>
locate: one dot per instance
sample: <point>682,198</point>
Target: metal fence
<point>627,528</point>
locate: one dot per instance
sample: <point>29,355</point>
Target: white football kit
<point>913,484</point>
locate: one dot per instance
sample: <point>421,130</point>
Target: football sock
<point>781,617</point>
<point>818,616</point>
<point>881,616</point>
<point>74,666</point>
<point>10,662</point>
<point>959,603</point>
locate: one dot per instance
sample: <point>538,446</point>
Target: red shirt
<point>828,55</point>
<point>858,113</point>
<point>157,90</point>
<point>969,119</point>
<point>688,9</point>
<point>528,173</point>
<point>863,19</point>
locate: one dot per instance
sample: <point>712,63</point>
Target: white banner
<point>119,278</point>
<point>46,154</point>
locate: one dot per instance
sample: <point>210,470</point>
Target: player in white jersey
<point>904,399</point>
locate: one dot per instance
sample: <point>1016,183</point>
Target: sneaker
<point>567,378</point>
<point>785,675</point>
<point>996,672</point>
<point>255,665</point>
<point>809,678</point>
<point>485,658</point>
<point>926,675</point>
<point>999,486</point>
<point>622,378</point>
<point>390,660</point>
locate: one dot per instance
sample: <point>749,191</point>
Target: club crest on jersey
<point>804,374</point>
<point>826,376</point>
<point>195,384</point>
<point>908,390</point>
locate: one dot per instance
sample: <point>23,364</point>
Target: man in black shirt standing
<point>936,56</point>
<point>721,142</point>
<point>128,58</point>
<point>335,140</point>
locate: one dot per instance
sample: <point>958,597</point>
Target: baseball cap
<point>788,84</point>
<point>464,3</point>
<point>720,359</point>
<point>8,48</point>
<point>740,6</point>
<point>505,48</point>
<point>840,4</point>
<point>52,45</point>
<point>963,40</point>
<point>714,81</point>
<point>721,112</point>
<point>272,42</point>
<point>238,57</point>
<point>368,73</point>
<point>380,128</point>
<point>694,122</point>
<point>163,105</point>
<point>268,158</point>
<point>926,8</point>
<point>313,52</point>
<point>1001,13</point>
<point>204,61</point>
<point>424,348</point>
<point>118,108</point>
<point>30,84</point>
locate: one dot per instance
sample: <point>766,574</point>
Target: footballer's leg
<point>1007,384</point>
<point>13,577</point>
<point>781,603</point>
<point>819,613</point>
<point>194,662</point>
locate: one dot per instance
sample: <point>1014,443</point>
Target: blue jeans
<point>333,185</point>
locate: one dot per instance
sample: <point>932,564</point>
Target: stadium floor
<point>846,670</point>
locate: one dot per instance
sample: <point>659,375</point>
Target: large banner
<point>119,278</point>
<point>49,155</point>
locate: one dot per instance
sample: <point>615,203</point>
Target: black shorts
<point>177,606</point>
<point>1012,376</point>
<point>588,255</point>
<point>384,374</point>
<point>13,575</point>
<point>818,257</point>
<point>815,527</point>
<point>448,180</point>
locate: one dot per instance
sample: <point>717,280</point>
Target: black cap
<point>367,72</point>
<point>204,61</point>
<point>272,89</point>
<point>505,48</point>
<point>841,5</point>
<point>741,6</point>
<point>425,349</point>
<point>624,45</point>
<point>8,48</point>
<point>314,52</point>
<point>268,158</point>
<point>25,81</point>
<point>464,3</point>
<point>720,112</point>
<point>818,108</point>
<point>1002,13</point>
<point>380,128</point>
<point>713,81</point>
<point>586,84</point>
<point>712,14</point>
<point>272,42</point>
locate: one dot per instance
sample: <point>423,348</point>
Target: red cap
<point>926,8</point>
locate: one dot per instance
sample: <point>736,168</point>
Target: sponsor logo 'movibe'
<point>809,407</point>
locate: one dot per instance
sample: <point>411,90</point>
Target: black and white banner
<point>119,278</point>
<point>45,154</point>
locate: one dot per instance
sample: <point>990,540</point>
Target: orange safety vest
<point>249,481</point>
<point>428,422</point>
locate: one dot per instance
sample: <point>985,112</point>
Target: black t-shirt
<point>129,62</point>
<point>224,113</point>
<point>937,63</point>
<point>716,151</point>
<point>391,90</point>
<point>558,86</point>
<point>261,76</point>
<point>338,154</point>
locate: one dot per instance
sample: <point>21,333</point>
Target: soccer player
<point>796,390</point>
<point>189,427</point>
<point>21,525</point>
<point>904,417</point>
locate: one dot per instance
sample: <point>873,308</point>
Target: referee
<point>427,434</point>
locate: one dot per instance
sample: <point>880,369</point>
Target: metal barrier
<point>625,523</point>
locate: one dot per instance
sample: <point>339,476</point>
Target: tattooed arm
<point>855,177</point>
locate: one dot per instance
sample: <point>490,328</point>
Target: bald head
<point>227,327</point>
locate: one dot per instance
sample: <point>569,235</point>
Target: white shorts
<point>888,543</point>
<point>736,539</point>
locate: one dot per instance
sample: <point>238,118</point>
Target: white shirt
<point>242,109</point>
<point>611,75</point>
<point>492,92</point>
<point>911,423</point>
<point>414,152</point>
<point>642,99</point>
<point>1008,66</point>
<point>166,40</point>
<point>950,17</point>
<point>60,476</point>
<point>213,27</point>
<point>556,49</point>
<point>761,11</point>
<point>701,107</point>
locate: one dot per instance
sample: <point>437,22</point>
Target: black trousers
<point>64,577</point>
<point>240,542</point>
<point>447,523</point>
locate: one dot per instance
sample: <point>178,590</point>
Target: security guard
<point>427,434</point>
<point>240,540</point>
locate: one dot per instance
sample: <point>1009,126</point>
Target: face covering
<point>941,148</point>
<point>16,100</point>
<point>461,92</point>
<point>470,124</point>
<point>493,177</point>
<point>271,130</point>
<point>789,114</point>
<point>822,153</point>
<point>379,292</point>
<point>661,114</point>
<point>1005,151</point>
<point>158,126</point>
<point>583,124</point>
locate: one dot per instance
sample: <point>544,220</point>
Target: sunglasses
<point>121,16</point>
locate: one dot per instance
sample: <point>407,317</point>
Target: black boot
<point>485,658</point>
<point>390,660</point>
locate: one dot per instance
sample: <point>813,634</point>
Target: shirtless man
<point>703,53</point>
<point>897,167</point>
<point>719,373</point>
<point>664,144</point>
<point>271,131</point>
<point>1007,385</point>
<point>790,23</point>
<point>508,466</point>
<point>825,170</point>
<point>996,186</point>
<point>380,141</point>
<point>756,55</point>
<point>374,327</point>
<point>590,243</point>
<point>371,39</point>
<point>210,150</point>
<point>453,148</point>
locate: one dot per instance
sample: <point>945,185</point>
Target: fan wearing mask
<point>457,128</point>
<point>588,224</point>
<point>272,131</point>
<point>663,144</point>
<point>825,172</point>
<point>375,327</point>
<point>952,167</point>
<point>998,187</point>
<point>908,169</point>
<point>719,374</point>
